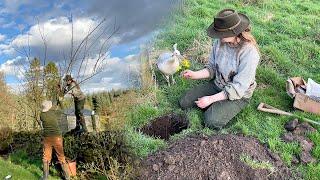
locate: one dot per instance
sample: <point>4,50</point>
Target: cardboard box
<point>296,88</point>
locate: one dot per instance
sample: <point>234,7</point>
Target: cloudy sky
<point>26,24</point>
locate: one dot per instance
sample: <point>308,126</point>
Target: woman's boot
<point>66,172</point>
<point>45,170</point>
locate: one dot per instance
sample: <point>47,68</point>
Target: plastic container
<point>72,167</point>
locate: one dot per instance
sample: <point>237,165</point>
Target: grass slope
<point>16,171</point>
<point>21,166</point>
<point>288,33</point>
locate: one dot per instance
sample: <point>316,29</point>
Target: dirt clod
<point>224,176</point>
<point>203,143</point>
<point>303,128</point>
<point>306,145</point>
<point>171,167</point>
<point>306,157</point>
<point>291,125</point>
<point>219,157</point>
<point>169,159</point>
<point>288,137</point>
<point>155,167</point>
<point>295,160</point>
<point>274,156</point>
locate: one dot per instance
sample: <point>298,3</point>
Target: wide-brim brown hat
<point>228,23</point>
<point>67,77</point>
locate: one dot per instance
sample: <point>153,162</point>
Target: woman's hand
<point>204,102</point>
<point>201,74</point>
<point>188,74</point>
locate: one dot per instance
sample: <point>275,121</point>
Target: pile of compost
<point>216,157</point>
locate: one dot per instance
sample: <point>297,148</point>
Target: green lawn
<point>288,33</point>
<point>16,171</point>
<point>21,166</point>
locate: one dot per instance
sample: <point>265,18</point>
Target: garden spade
<point>267,108</point>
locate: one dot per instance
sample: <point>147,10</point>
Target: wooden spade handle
<point>267,108</point>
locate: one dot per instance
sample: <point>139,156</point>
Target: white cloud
<point>8,25</point>
<point>14,67</point>
<point>97,87</point>
<point>6,49</point>
<point>11,6</point>
<point>136,18</point>
<point>117,74</point>
<point>130,57</point>
<point>57,32</point>
<point>2,37</point>
<point>90,64</point>
<point>106,79</point>
<point>112,61</point>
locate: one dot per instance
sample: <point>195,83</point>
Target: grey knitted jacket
<point>234,68</point>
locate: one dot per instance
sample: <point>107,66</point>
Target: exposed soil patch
<point>166,126</point>
<point>298,132</point>
<point>215,157</point>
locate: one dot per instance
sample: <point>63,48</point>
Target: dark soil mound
<point>216,157</point>
<point>166,126</point>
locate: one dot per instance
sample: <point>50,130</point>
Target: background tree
<point>34,91</point>
<point>7,113</point>
<point>87,57</point>
<point>52,82</point>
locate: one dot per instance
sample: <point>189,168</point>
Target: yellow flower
<point>179,68</point>
<point>185,63</point>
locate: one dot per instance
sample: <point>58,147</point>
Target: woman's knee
<point>187,101</point>
<point>214,121</point>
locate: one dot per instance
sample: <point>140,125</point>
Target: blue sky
<point>22,22</point>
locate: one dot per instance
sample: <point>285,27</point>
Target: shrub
<point>5,139</point>
<point>95,154</point>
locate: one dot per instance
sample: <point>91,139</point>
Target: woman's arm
<point>206,101</point>
<point>201,74</point>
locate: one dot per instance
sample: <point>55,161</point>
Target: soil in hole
<point>166,126</point>
<point>217,157</point>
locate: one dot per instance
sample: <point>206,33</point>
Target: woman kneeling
<point>232,68</point>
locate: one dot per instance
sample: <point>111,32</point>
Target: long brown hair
<point>77,85</point>
<point>246,36</point>
<point>74,81</point>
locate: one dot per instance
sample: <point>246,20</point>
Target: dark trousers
<point>218,114</point>
<point>78,107</point>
